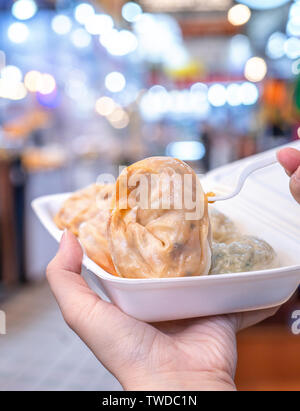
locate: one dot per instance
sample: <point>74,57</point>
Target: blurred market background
<point>87,86</point>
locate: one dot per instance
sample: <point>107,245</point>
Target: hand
<point>289,158</point>
<point>194,354</point>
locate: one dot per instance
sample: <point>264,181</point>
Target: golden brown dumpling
<point>162,231</point>
<point>83,205</point>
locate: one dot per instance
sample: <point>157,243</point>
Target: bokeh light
<point>292,47</point>
<point>80,38</point>
<point>239,15</point>
<point>18,32</point>
<point>105,106</point>
<point>233,92</point>
<point>186,150</point>
<point>217,95</point>
<point>12,90</point>
<point>83,12</point>
<point>119,43</point>
<point>46,84</point>
<point>61,24</point>
<point>99,23</point>
<point>255,69</point>
<point>131,11</point>
<point>296,67</point>
<point>31,80</point>
<point>293,26</point>
<point>24,9</point>
<point>249,93</point>
<point>275,45</point>
<point>11,74</point>
<point>115,82</point>
<point>119,118</point>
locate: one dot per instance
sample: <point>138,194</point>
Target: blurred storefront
<point>88,86</point>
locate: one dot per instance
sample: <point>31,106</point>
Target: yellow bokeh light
<point>46,84</point>
<point>120,119</point>
<point>255,69</point>
<point>11,90</point>
<point>238,15</point>
<point>32,80</point>
<point>19,92</point>
<point>105,106</point>
<point>116,115</point>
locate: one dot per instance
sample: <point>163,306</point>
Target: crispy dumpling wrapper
<point>159,225</point>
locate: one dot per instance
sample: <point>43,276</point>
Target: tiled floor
<point>39,351</point>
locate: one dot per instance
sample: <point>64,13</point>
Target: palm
<point>185,354</point>
<point>177,347</point>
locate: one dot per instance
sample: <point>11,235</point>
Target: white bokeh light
<point>80,38</point>
<point>61,24</point>
<point>186,150</point>
<point>249,93</point>
<point>119,43</point>
<point>18,32</point>
<point>293,26</point>
<point>99,24</point>
<point>239,51</point>
<point>83,12</point>
<point>115,82</point>
<point>24,9</point>
<point>131,11</point>
<point>234,95</point>
<point>294,10</point>
<point>11,73</point>
<point>275,45</point>
<point>217,95</point>
<point>292,47</point>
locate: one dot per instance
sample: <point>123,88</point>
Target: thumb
<point>295,185</point>
<point>69,255</point>
<point>289,158</point>
<point>112,335</point>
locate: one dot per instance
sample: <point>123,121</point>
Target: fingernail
<point>63,239</point>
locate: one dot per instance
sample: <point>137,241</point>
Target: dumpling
<point>159,225</point>
<point>223,229</point>
<point>83,205</point>
<point>245,253</point>
<point>86,214</point>
<point>93,237</point>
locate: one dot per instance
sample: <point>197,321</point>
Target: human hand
<point>289,158</point>
<point>194,354</point>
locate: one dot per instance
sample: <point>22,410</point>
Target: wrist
<point>181,381</point>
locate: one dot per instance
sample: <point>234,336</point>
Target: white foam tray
<point>264,208</point>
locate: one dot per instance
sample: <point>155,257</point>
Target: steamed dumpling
<point>83,205</point>
<point>223,229</point>
<point>154,233</point>
<point>245,253</point>
<point>93,237</point>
